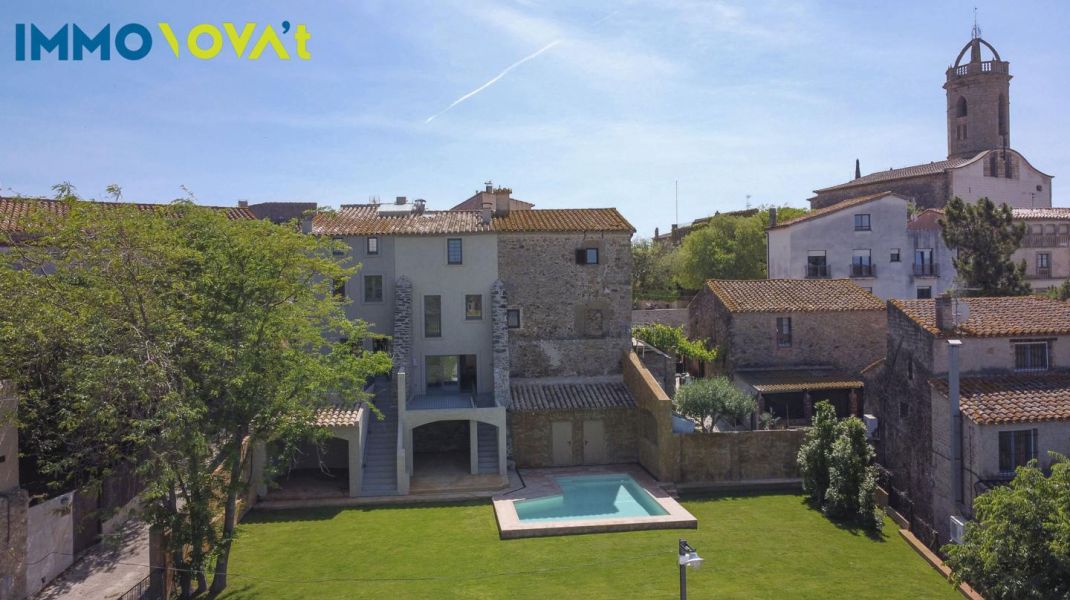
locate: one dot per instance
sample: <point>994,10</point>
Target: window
<point>340,287</point>
<point>450,374</point>
<point>895,255</point>
<point>783,332</point>
<point>961,109</point>
<point>925,292</point>
<point>373,288</point>
<point>473,307</point>
<point>923,263</point>
<point>1043,264</point>
<point>338,250</point>
<point>372,246</point>
<point>862,264</point>
<point>432,316</point>
<point>816,264</point>
<point>587,256</point>
<point>453,251</point>
<point>1031,357</point>
<point>512,318</point>
<point>862,223</point>
<point>1016,448</point>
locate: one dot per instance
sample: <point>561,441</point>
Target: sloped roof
<point>1026,214</point>
<point>15,211</point>
<point>928,219</point>
<point>535,395</point>
<point>799,380</point>
<point>476,203</point>
<point>793,295</point>
<point>921,170</point>
<point>1012,398</point>
<point>339,416</point>
<point>364,219</point>
<point>995,317</point>
<point>844,204</point>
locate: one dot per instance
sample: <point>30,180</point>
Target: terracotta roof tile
<point>364,219</point>
<point>995,317</point>
<point>1013,398</point>
<point>902,173</point>
<point>339,416</point>
<point>799,380</point>
<point>14,211</point>
<point>1026,214</point>
<point>820,212</point>
<point>534,395</point>
<point>793,295</point>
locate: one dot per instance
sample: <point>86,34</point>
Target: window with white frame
<point>372,246</point>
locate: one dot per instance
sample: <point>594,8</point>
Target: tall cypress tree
<point>986,237</point>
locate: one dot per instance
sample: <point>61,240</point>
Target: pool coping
<point>541,482</point>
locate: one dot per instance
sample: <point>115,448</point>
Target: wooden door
<point>562,442</point>
<point>594,442</point>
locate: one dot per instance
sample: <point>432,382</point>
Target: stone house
<point>1007,359</point>
<point>1045,247</point>
<point>486,304</point>
<point>792,342</point>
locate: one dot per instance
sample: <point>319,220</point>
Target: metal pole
<point>683,570</point>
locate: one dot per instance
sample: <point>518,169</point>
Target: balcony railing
<point>988,66</point>
<point>858,270</point>
<point>1044,272</point>
<point>1046,240</point>
<point>926,270</point>
<point>817,271</point>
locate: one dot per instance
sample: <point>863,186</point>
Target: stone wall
<point>533,440</point>
<point>673,317</point>
<point>927,191</point>
<point>13,521</point>
<point>899,395</point>
<point>657,453</point>
<point>401,345</point>
<point>575,319</point>
<point>661,365</point>
<point>849,340</point>
<point>500,343</point>
<point>738,456</point>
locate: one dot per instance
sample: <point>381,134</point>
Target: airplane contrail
<point>493,80</point>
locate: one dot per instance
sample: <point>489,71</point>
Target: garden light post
<point>688,558</point>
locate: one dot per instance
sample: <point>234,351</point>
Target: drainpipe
<point>956,418</point>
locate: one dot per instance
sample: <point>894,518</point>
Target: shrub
<point>672,340</point>
<point>814,454</point>
<point>710,400</point>
<point>852,477</point>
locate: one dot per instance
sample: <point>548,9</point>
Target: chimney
<point>501,202</point>
<point>489,184</point>
<point>400,200</point>
<point>485,213</point>
<point>858,169</point>
<point>945,317</point>
<point>418,206</point>
<point>772,216</point>
<point>243,204</point>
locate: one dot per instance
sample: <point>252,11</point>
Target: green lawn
<point>769,546</point>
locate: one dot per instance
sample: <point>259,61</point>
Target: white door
<point>594,443</point>
<point>562,442</point>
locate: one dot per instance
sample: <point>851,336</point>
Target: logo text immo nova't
<point>134,41</point>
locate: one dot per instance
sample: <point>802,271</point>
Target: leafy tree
<point>1018,544</point>
<point>652,270</point>
<point>728,246</point>
<point>714,399</point>
<point>986,237</point>
<point>1062,292</point>
<point>172,340</point>
<point>673,341</point>
<point>814,453</point>
<point>852,477</point>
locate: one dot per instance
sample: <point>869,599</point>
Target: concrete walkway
<point>106,570</point>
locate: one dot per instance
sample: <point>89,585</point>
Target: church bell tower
<point>978,100</point>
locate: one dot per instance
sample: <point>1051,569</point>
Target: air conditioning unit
<point>871,426</point>
<point>958,528</point>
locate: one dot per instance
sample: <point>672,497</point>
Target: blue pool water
<point>591,497</point>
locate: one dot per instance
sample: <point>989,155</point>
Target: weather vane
<point>976,28</point>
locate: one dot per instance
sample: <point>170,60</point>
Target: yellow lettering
<point>302,35</point>
<point>169,35</point>
<point>239,41</point>
<point>194,36</point>
<point>269,37</point>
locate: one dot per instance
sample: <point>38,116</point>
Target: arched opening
<point>960,108</point>
<point>1002,115</point>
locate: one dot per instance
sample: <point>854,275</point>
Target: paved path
<point>106,570</point>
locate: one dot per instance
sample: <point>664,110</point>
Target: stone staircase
<point>380,455</point>
<point>487,437</point>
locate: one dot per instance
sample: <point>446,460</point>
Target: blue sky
<point>731,98</point>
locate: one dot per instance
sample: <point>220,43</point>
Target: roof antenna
<point>976,33</point>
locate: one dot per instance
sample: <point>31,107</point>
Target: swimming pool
<point>591,497</point>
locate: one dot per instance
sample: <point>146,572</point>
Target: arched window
<point>993,165</point>
<point>1002,114</point>
<point>960,111</point>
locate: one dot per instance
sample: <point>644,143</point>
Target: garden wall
<point>673,317</point>
<point>533,440</point>
<point>740,456</point>
<point>657,452</point>
<point>50,541</point>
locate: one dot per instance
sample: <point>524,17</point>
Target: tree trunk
<point>219,580</point>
